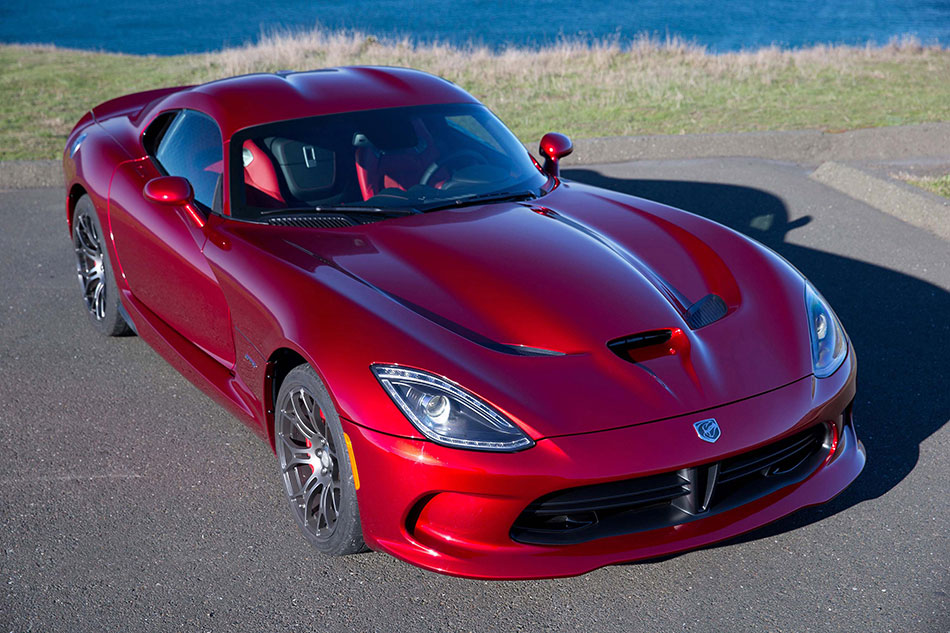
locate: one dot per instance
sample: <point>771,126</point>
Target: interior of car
<point>399,160</point>
<point>379,158</point>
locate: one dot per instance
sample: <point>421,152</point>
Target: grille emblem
<point>708,430</point>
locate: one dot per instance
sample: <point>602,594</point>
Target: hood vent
<point>313,221</point>
<point>707,310</point>
<point>626,346</point>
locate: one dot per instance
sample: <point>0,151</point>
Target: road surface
<point>131,502</point>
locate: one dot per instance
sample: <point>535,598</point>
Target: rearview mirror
<point>170,190</point>
<point>554,147</point>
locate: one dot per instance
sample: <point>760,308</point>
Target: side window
<point>156,130</point>
<point>192,148</point>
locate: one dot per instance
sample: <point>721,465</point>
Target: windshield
<point>410,159</point>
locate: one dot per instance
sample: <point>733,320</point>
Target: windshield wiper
<point>482,198</point>
<point>342,209</point>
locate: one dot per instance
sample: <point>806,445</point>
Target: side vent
<point>707,310</point>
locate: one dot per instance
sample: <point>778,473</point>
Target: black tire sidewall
<point>347,537</point>
<point>113,324</point>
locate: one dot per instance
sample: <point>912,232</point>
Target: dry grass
<point>600,89</point>
<point>939,185</point>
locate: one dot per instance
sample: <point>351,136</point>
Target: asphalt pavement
<point>130,501</point>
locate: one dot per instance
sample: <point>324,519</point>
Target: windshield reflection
<point>400,160</point>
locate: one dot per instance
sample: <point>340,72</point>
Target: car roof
<point>239,102</point>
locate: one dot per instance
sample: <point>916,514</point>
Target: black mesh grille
<point>313,221</point>
<point>781,455</point>
<point>577,515</point>
<point>707,310</point>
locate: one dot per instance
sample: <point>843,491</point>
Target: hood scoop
<point>655,343</point>
<point>643,346</point>
<point>637,348</point>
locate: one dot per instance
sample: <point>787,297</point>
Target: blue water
<point>184,26</point>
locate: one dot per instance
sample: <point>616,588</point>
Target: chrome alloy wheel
<point>89,266</point>
<point>309,463</point>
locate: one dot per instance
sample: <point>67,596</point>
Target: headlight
<point>447,414</point>
<point>828,343</point>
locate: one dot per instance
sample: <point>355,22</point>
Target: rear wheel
<point>315,465</point>
<point>100,294</point>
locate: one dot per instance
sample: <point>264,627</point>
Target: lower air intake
<point>578,515</point>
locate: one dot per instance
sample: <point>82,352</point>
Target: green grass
<point>938,185</point>
<point>582,90</point>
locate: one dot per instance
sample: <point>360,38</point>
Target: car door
<point>159,246</point>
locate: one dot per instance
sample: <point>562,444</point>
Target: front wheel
<point>315,465</point>
<point>100,294</point>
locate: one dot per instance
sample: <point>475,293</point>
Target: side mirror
<point>171,190</point>
<point>174,191</point>
<point>554,147</point>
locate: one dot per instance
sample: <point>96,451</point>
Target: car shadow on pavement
<point>896,322</point>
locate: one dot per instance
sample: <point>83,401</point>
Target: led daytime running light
<point>448,414</point>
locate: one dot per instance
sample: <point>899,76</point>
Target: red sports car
<point>458,357</point>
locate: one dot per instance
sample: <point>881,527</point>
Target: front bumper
<point>452,511</point>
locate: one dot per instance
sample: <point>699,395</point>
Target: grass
<point>939,185</point>
<point>584,90</point>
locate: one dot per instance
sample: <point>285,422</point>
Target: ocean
<point>186,26</point>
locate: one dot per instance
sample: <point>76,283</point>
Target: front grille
<point>578,515</point>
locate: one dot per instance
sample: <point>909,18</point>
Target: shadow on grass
<point>896,322</point>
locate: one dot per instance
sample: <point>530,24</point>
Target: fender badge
<point>708,430</point>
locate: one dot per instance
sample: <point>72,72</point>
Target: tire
<point>314,464</point>
<point>100,294</point>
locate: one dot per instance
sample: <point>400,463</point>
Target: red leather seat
<point>262,189</point>
<point>400,168</point>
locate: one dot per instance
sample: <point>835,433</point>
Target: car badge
<point>708,430</point>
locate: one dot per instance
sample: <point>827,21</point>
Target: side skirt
<point>214,379</point>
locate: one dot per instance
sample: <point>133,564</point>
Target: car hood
<point>558,278</point>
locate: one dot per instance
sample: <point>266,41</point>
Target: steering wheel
<point>448,160</point>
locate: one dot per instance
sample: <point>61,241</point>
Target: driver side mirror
<point>171,190</point>
<point>554,147</point>
<point>174,191</point>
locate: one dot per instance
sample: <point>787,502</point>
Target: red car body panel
<point>456,293</point>
<point>454,515</point>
